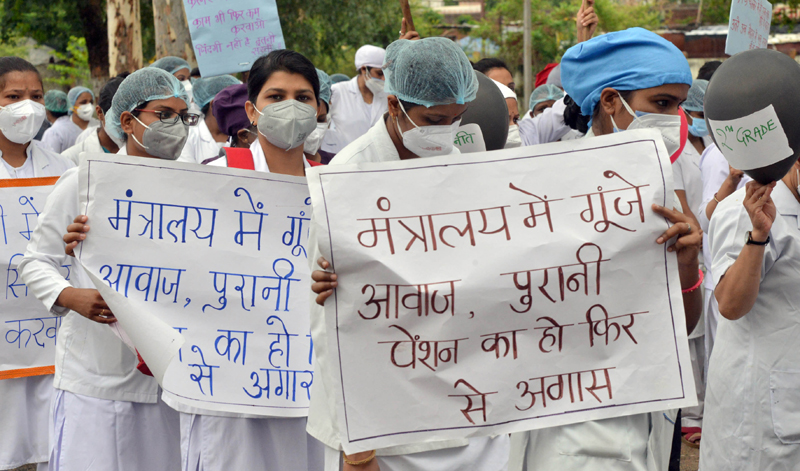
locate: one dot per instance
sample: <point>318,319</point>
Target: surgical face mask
<point>698,127</point>
<point>428,141</point>
<point>314,140</point>
<point>514,139</point>
<point>163,140</point>
<point>286,124</point>
<point>374,85</point>
<point>85,111</point>
<point>671,127</point>
<point>20,121</point>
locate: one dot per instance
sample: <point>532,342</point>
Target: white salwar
<point>106,410</point>
<point>26,401</point>
<point>220,441</point>
<point>476,454</point>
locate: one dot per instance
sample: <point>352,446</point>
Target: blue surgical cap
<point>205,89</point>
<point>73,95</point>
<point>545,92</point>
<point>55,101</point>
<point>144,85</point>
<point>324,87</point>
<point>633,59</point>
<point>429,72</point>
<point>171,64</point>
<point>694,101</point>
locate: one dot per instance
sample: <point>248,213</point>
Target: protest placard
<point>228,39</point>
<point>498,292</point>
<point>27,345</point>
<point>206,271</point>
<point>749,25</point>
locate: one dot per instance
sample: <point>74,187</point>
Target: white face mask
<point>673,128</point>
<point>314,140</point>
<point>514,139</point>
<point>286,124</point>
<point>374,85</point>
<point>85,111</point>
<point>428,141</point>
<point>20,121</point>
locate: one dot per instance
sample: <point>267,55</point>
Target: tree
<point>124,36</point>
<point>172,30</point>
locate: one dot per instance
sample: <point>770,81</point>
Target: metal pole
<point>528,58</point>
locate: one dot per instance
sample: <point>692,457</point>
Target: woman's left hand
<point>690,237</point>
<point>405,33</point>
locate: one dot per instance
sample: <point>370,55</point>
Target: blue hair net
<point>73,95</point>
<point>694,102</point>
<point>171,64</point>
<point>633,59</point>
<point>429,72</point>
<point>55,101</point>
<point>545,92</point>
<point>324,87</point>
<point>205,89</point>
<point>144,85</point>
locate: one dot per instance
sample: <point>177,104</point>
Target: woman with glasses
<point>106,414</point>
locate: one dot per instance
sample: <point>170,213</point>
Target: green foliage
<point>72,66</point>
<point>13,47</point>
<point>49,22</point>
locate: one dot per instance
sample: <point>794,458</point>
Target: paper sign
<point>500,292</point>
<point>754,141</point>
<point>749,26</point>
<point>211,285</point>
<point>228,39</point>
<point>27,330</point>
<point>469,139</point>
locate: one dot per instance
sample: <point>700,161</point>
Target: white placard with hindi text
<point>749,26</point>
<point>206,270</point>
<point>490,293</point>
<point>28,330</point>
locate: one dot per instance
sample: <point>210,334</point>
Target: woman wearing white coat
<point>25,401</point>
<point>107,416</point>
<point>429,83</point>
<point>622,79</point>
<point>206,139</point>
<point>65,131</point>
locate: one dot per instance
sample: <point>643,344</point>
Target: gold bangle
<point>715,199</point>
<point>359,463</point>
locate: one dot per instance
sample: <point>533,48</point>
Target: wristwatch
<point>748,240</point>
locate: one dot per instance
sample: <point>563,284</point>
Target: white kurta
<point>91,143</point>
<point>200,145</point>
<point>93,366</point>
<point>477,454</point>
<point>24,423</point>
<point>546,127</point>
<point>351,116</point>
<point>752,419</point>
<point>61,135</point>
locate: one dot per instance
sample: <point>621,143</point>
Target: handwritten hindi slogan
<point>212,285</point>
<point>749,25</point>
<point>28,331</point>
<point>501,292</point>
<point>229,35</point>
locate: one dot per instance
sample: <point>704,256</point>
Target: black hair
<point>206,108</point>
<point>10,64</point>
<point>407,105</point>
<point>108,91</point>
<point>284,60</point>
<point>573,117</point>
<point>708,69</point>
<point>195,72</point>
<point>57,115</point>
<point>485,65</point>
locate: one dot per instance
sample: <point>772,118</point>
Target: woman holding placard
<point>99,391</point>
<point>25,401</point>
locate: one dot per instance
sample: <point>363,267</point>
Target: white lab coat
<point>640,442</point>
<point>91,144</point>
<point>92,128</point>
<point>93,366</point>
<point>687,176</point>
<point>200,145</point>
<point>546,127</point>
<point>752,419</point>
<point>24,423</point>
<point>63,134</point>
<point>477,454</point>
<point>351,116</point>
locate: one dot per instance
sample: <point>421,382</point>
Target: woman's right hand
<point>76,233</point>
<point>734,177</point>
<point>324,281</point>
<point>88,303</point>
<point>760,208</point>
